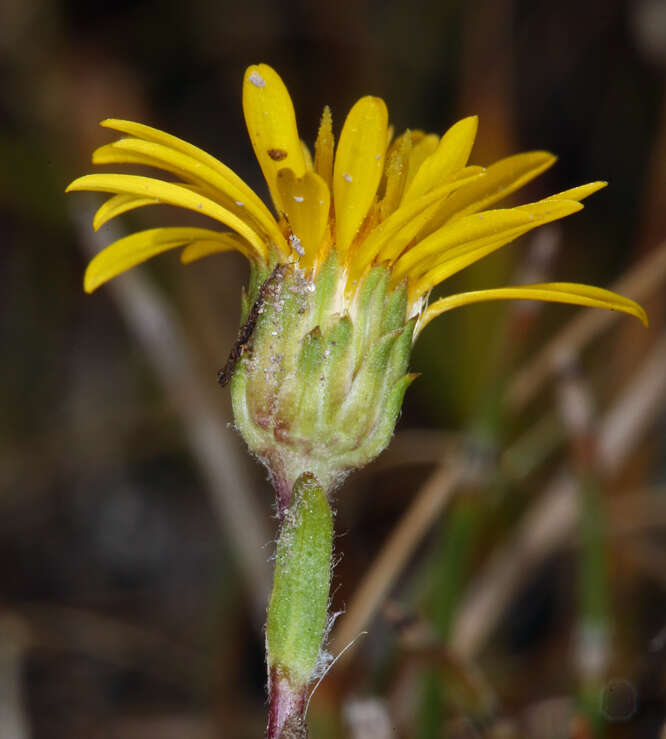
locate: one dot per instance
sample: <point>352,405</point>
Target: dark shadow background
<point>122,610</point>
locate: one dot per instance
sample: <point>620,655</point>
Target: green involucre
<point>321,381</point>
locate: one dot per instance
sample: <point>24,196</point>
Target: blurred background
<point>506,556</point>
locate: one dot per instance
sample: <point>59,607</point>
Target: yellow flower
<point>341,275</point>
<point>412,203</point>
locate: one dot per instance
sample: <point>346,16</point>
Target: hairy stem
<point>286,707</point>
<point>298,608</point>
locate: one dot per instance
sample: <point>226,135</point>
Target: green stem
<point>298,608</point>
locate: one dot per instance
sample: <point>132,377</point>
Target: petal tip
<point>257,74</point>
<point>98,156</point>
<point>634,309</point>
<point>90,282</point>
<point>372,101</point>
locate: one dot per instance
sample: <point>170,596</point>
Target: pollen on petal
<point>256,79</point>
<point>347,177</point>
<point>296,244</point>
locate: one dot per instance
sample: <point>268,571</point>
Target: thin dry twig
<point>639,284</point>
<point>420,516</point>
<point>215,448</point>
<point>551,520</point>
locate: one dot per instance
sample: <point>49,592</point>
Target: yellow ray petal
<point>133,150</point>
<point>204,248</point>
<point>131,250</point>
<point>171,194</point>
<point>579,193</point>
<point>382,241</point>
<point>141,131</point>
<point>393,249</point>
<point>307,201</point>
<point>390,133</point>
<point>465,233</point>
<point>323,161</point>
<point>359,163</point>
<point>556,292</point>
<point>548,209</point>
<point>501,179</point>
<point>461,255</point>
<point>118,204</point>
<point>212,183</point>
<point>451,155</point>
<point>271,123</point>
<point>113,154</point>
<point>396,174</point>
<point>421,150</point>
<point>431,272</point>
<point>307,155</point>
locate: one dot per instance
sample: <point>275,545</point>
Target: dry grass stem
<point>635,411</point>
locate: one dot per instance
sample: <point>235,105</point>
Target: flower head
<point>362,232</point>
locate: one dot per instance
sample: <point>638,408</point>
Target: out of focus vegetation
<point>533,601</point>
